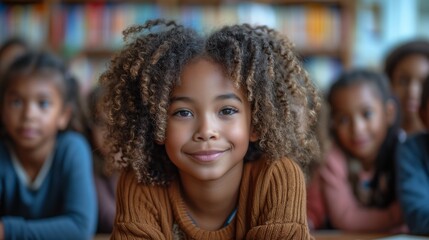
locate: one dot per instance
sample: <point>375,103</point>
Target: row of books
<point>73,27</point>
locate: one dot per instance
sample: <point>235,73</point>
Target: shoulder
<point>415,147</point>
<point>282,170</point>
<point>73,149</point>
<point>129,184</point>
<point>72,143</point>
<point>135,195</point>
<point>69,137</point>
<point>415,143</point>
<point>421,139</point>
<point>335,162</point>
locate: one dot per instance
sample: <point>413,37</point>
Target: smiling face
<point>360,120</point>
<point>33,112</point>
<point>208,128</point>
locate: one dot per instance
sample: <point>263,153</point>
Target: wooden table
<point>339,235</point>
<point>322,235</point>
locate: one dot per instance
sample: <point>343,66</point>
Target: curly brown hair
<point>284,101</point>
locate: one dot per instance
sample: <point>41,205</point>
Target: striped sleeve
<point>279,210</point>
<point>137,214</point>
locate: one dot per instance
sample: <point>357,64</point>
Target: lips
<point>359,143</point>
<point>206,156</point>
<point>28,132</point>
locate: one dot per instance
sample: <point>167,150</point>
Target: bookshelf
<point>78,29</point>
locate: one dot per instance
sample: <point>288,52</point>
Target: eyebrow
<point>220,97</point>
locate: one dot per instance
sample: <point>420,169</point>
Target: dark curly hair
<point>259,60</point>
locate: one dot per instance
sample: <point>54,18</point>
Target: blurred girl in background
<point>105,182</point>
<point>407,66</point>
<point>358,175</point>
<point>46,182</point>
<point>413,173</point>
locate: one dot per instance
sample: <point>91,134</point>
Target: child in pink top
<point>358,176</point>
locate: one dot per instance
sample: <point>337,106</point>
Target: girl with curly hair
<point>213,132</point>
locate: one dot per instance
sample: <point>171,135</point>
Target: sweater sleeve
<point>137,210</point>
<point>413,183</point>
<point>280,203</point>
<point>344,210</point>
<point>77,219</point>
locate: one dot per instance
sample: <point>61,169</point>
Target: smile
<point>206,156</point>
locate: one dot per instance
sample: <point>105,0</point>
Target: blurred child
<point>46,185</point>
<point>413,173</point>
<point>316,205</point>
<point>358,177</point>
<point>407,66</point>
<point>210,133</point>
<point>10,50</point>
<point>105,182</point>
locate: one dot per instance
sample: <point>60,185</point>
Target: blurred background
<point>330,35</point>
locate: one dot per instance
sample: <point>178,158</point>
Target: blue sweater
<point>413,182</point>
<point>64,207</point>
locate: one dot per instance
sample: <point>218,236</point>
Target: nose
<point>415,89</point>
<point>29,111</point>
<point>358,125</point>
<point>206,129</point>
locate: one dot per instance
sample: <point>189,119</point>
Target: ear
<point>65,117</point>
<point>391,111</point>
<point>254,136</point>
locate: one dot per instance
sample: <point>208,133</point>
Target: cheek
<point>343,135</point>
<point>177,134</point>
<point>237,132</point>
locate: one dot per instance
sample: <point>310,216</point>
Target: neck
<point>32,160</point>
<point>209,203</point>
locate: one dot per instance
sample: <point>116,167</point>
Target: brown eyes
<point>184,113</point>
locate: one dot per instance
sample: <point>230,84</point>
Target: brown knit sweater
<point>271,205</point>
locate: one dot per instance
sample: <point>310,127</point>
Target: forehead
<point>355,96</point>
<point>32,83</point>
<point>411,62</point>
<point>203,77</point>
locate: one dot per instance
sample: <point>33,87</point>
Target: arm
<point>280,196</point>
<point>136,213</point>
<point>77,218</point>
<point>344,210</point>
<point>413,184</point>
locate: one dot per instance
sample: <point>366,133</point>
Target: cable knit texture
<point>271,206</point>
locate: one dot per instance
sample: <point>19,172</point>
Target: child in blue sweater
<point>413,173</point>
<point>46,185</point>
